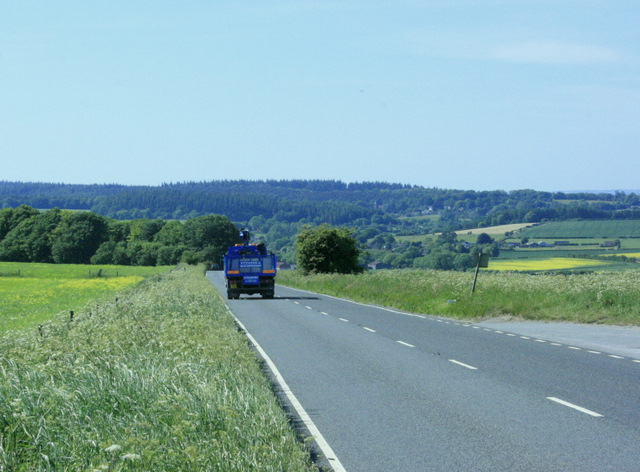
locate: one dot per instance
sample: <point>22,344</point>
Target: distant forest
<point>184,221</point>
<point>321,201</point>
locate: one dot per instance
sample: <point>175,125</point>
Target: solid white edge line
<point>575,407</point>
<point>320,441</point>
<point>470,367</point>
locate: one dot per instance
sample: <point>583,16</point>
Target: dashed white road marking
<point>369,329</point>
<point>575,407</point>
<point>637,361</point>
<point>344,319</point>
<point>308,307</point>
<point>405,344</point>
<point>467,366</point>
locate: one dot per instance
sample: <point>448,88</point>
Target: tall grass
<point>612,297</point>
<point>159,380</point>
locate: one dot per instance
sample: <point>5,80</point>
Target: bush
<point>327,250</point>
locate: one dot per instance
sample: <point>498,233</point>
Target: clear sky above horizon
<point>459,94</point>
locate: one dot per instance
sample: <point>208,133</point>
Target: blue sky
<point>460,94</point>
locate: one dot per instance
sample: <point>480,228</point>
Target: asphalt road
<point>392,391</point>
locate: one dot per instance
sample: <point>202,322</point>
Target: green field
<point>31,293</point>
<point>597,229</point>
<point>161,380</point>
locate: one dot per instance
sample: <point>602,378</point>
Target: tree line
<point>320,201</point>
<point>83,237</point>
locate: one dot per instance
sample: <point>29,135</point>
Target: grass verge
<point>612,298</point>
<point>160,380</point>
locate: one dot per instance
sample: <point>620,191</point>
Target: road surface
<point>393,391</point>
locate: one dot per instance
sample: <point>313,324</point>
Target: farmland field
<point>495,230</point>
<point>31,293</point>
<point>610,229</point>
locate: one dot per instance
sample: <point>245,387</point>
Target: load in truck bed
<point>248,269</point>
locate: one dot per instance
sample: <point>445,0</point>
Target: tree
<point>10,218</point>
<point>325,249</point>
<point>171,234</point>
<point>78,237</point>
<point>145,229</point>
<point>484,238</point>
<point>210,235</point>
<point>30,240</point>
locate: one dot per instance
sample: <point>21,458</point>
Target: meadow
<point>159,379</point>
<point>598,297</point>
<point>31,293</point>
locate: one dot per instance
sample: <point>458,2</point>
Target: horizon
<point>607,191</point>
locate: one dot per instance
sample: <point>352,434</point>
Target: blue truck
<point>249,269</point>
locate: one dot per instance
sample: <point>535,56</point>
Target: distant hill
<point>319,201</point>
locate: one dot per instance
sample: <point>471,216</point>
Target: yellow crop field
<point>553,263</point>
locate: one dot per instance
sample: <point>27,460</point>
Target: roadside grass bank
<point>608,298</point>
<point>160,379</point>
<point>30,293</point>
